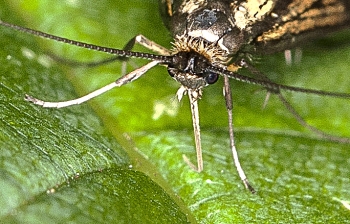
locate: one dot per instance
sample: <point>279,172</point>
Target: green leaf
<point>106,196</point>
<point>299,177</point>
<point>63,165</point>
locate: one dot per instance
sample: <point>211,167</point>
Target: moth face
<point>191,70</point>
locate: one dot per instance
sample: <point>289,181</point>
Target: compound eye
<point>211,77</point>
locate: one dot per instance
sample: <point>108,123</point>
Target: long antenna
<point>274,87</point>
<point>176,60</point>
<point>271,86</point>
<point>122,53</point>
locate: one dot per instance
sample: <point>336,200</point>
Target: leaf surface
<point>299,177</point>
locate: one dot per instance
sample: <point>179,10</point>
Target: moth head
<point>191,70</point>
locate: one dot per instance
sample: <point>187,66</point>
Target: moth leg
<point>194,96</point>
<point>297,56</point>
<point>145,42</point>
<point>119,82</point>
<point>291,109</point>
<point>313,129</point>
<point>229,107</point>
<point>169,7</point>
<point>76,63</point>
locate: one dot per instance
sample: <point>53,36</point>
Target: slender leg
<point>142,40</point>
<point>297,56</point>
<point>194,96</point>
<point>119,82</point>
<point>229,106</point>
<point>288,57</point>
<point>75,63</point>
<point>169,7</point>
<point>290,108</point>
<point>313,129</point>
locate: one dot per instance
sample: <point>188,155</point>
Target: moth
<point>216,38</point>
